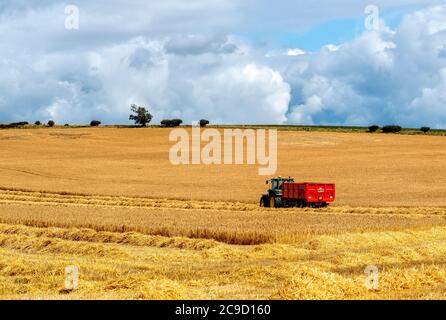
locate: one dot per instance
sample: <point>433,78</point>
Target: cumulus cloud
<point>186,60</point>
<point>129,56</point>
<point>380,77</point>
<point>222,86</point>
<point>200,44</point>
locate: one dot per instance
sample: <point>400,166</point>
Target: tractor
<point>285,192</point>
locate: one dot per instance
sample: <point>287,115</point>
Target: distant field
<point>368,169</point>
<point>346,129</point>
<point>108,201</point>
<point>306,128</point>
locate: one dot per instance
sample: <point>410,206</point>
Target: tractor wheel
<point>275,202</point>
<point>264,202</point>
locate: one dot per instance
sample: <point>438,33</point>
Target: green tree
<point>166,123</point>
<point>204,122</point>
<point>140,115</point>
<point>391,129</point>
<point>176,122</point>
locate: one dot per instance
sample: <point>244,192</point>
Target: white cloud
<point>292,52</point>
<point>185,59</point>
<point>302,113</point>
<point>431,104</point>
<point>295,52</point>
<point>194,44</point>
<point>222,86</point>
<point>332,47</point>
<point>380,77</point>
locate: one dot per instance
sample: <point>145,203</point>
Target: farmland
<point>108,201</point>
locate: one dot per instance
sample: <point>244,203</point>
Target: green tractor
<point>274,197</point>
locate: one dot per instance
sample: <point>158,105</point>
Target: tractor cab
<point>274,197</point>
<point>276,185</point>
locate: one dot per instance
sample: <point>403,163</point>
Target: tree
<point>373,128</point>
<point>203,123</point>
<point>171,123</point>
<point>391,129</point>
<point>140,115</point>
<point>18,124</point>
<point>176,122</point>
<point>95,123</point>
<point>37,123</point>
<point>166,123</point>
<point>51,123</point>
<point>425,129</point>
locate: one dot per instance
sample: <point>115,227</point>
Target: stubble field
<point>108,201</point>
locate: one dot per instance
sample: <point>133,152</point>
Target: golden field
<point>108,201</point>
<point>368,169</point>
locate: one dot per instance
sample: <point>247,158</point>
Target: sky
<point>229,61</point>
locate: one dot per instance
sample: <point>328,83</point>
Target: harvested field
<point>232,223</point>
<point>107,201</point>
<point>369,169</point>
<point>132,266</point>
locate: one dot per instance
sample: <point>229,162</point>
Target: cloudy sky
<point>230,61</point>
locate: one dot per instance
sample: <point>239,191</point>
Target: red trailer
<point>303,194</point>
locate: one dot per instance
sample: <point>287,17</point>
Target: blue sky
<point>226,60</point>
<point>329,31</point>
